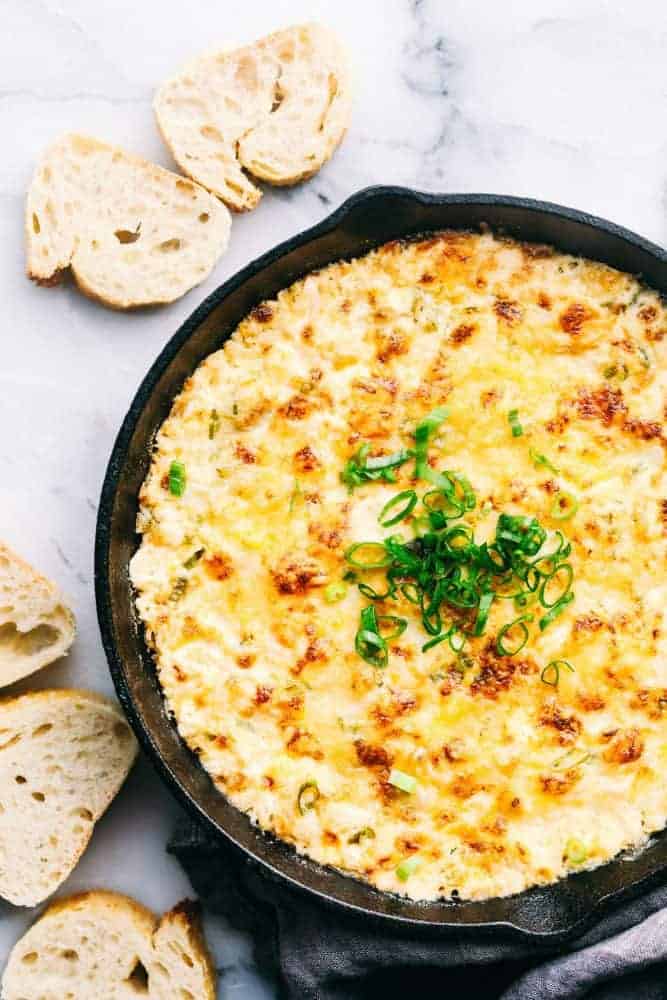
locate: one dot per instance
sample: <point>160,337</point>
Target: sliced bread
<point>133,233</point>
<point>277,109</point>
<point>104,946</point>
<point>64,754</point>
<point>36,625</point>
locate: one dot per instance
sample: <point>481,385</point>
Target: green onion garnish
<point>452,579</point>
<point>388,621</point>
<point>307,798</point>
<point>334,592</point>
<point>504,644</point>
<point>423,434</point>
<point>517,429</point>
<point>368,642</point>
<point>575,852</point>
<point>564,507</point>
<point>361,469</point>
<point>556,610</point>
<point>405,782</point>
<point>551,673</point>
<point>542,460</point>
<point>485,602</point>
<point>194,559</point>
<point>368,555</point>
<point>389,515</point>
<point>408,867</point>
<point>367,832</point>
<point>178,589</point>
<point>562,575</point>
<point>177,479</point>
<point>213,424</point>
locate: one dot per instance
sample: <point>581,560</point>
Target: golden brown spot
<point>462,333</point>
<point>304,744</point>
<point>647,430</point>
<point>543,301</point>
<point>219,566</point>
<point>392,346</point>
<point>244,454</point>
<point>574,317</point>
<point>648,313</point>
<point>262,313</point>
<point>262,694</point>
<point>591,702</point>
<point>588,623</point>
<point>553,784</point>
<point>305,459</point>
<point>567,726</point>
<point>371,755</point>
<point>508,311</point>
<point>296,575</point>
<point>601,404</point>
<point>246,660</point>
<point>626,748</point>
<point>315,653</point>
<point>297,407</point>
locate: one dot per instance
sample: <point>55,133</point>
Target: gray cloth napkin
<point>320,954</point>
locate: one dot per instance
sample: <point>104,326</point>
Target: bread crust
<point>274,110</point>
<point>146,240</point>
<point>139,939</point>
<point>30,602</point>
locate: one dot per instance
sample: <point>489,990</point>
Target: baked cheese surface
<point>517,781</point>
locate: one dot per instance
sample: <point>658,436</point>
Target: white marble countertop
<point>558,99</point>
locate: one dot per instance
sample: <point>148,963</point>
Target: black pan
<point>366,220</point>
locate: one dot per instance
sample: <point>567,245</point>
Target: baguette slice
<point>64,754</point>
<point>36,626</point>
<point>133,233</point>
<point>103,946</point>
<point>277,108</point>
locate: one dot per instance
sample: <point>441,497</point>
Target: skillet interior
<point>366,220</point>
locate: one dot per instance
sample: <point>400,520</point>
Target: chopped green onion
<point>405,782</point>
<point>483,608</point>
<point>556,610</point>
<point>423,434</point>
<point>334,592</point>
<point>564,507</point>
<point>551,673</point>
<point>517,429</point>
<point>575,852</point>
<point>213,424</point>
<point>542,460</point>
<point>177,479</point>
<point>307,798</point>
<point>435,641</point>
<point>178,589</point>
<point>377,556</point>
<point>368,642</point>
<point>194,559</point>
<point>366,832</point>
<point>408,499</point>
<point>408,867</point>
<point>400,625</point>
<point>502,647</point>
<point>361,469</point>
<point>547,599</point>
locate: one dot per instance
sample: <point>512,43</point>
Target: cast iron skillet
<point>369,218</point>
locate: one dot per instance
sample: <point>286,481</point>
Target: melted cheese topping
<point>517,782</point>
